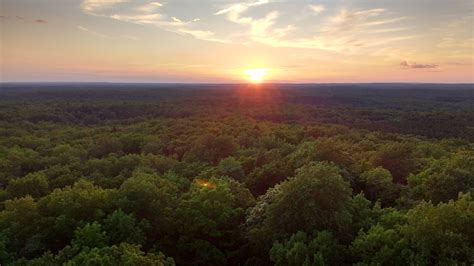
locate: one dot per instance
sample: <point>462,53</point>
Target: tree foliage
<point>236,176</point>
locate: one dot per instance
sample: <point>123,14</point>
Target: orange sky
<point>219,41</point>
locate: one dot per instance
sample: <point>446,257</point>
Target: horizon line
<point>228,83</point>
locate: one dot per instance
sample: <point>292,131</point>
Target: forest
<point>147,174</point>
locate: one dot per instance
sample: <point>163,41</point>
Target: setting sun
<point>256,75</point>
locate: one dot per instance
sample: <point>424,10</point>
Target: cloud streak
<point>258,27</point>
<point>262,21</point>
<point>234,11</point>
<point>105,36</point>
<point>148,14</point>
<point>317,8</point>
<point>406,65</point>
<point>349,31</point>
<point>91,6</point>
<point>150,7</point>
<point>98,34</point>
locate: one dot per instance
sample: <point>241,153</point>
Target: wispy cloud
<point>349,31</point>
<point>98,34</point>
<point>457,33</point>
<point>150,7</point>
<point>261,21</point>
<point>201,34</point>
<point>317,8</point>
<point>105,36</point>
<point>358,20</point>
<point>235,10</point>
<point>260,29</point>
<point>406,65</point>
<point>91,6</point>
<point>148,14</point>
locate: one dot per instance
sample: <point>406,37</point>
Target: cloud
<point>352,20</point>
<point>235,10</point>
<point>105,36</point>
<point>202,35</point>
<point>457,34</point>
<point>84,29</point>
<point>155,18</point>
<point>347,31</point>
<point>148,14</point>
<point>406,65</point>
<point>150,7</point>
<point>259,28</point>
<point>90,6</point>
<point>317,8</point>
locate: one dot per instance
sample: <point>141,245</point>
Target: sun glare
<point>256,75</point>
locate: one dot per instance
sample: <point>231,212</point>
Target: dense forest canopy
<point>129,174</point>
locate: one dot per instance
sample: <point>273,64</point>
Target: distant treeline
<point>419,109</point>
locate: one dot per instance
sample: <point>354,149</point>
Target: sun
<point>256,75</point>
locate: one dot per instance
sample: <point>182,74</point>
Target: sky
<point>226,41</point>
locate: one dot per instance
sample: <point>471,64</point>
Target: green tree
<point>426,235</point>
<point>34,184</point>
<point>259,235</point>
<point>232,168</point>
<point>444,179</point>
<point>378,185</point>
<point>332,150</point>
<point>381,246</point>
<point>316,199</point>
<point>302,250</point>
<point>16,162</point>
<point>21,227</point>
<point>398,158</point>
<point>81,202</point>
<point>65,154</point>
<point>305,153</point>
<point>124,254</point>
<point>60,176</point>
<point>131,143</point>
<point>6,255</point>
<point>207,220</point>
<point>90,235</point>
<point>149,196</point>
<point>211,148</point>
<point>122,227</point>
<point>70,207</point>
<point>442,234</point>
<point>105,145</point>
